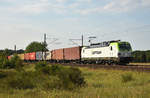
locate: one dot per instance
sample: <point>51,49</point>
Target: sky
<point>25,21</point>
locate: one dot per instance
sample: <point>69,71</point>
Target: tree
<point>148,56</point>
<point>35,47</point>
<point>141,56</point>
<point>7,52</point>
<point>20,51</point>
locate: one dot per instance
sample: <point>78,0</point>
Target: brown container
<point>73,53</point>
<point>58,54</point>
<point>21,56</point>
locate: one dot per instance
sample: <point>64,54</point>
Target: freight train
<point>108,52</point>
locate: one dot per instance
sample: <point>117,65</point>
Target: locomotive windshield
<point>124,46</point>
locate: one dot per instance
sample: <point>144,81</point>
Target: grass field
<point>139,63</point>
<point>99,84</point>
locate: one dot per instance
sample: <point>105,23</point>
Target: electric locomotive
<point>110,52</point>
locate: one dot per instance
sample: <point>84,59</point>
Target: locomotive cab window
<point>83,51</point>
<point>111,48</point>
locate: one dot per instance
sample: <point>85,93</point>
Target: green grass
<point>99,84</point>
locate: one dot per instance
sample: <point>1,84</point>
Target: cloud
<point>9,1</point>
<point>74,5</point>
<point>146,3</point>
<point>37,7</point>
<point>122,6</point>
<point>82,7</point>
<point>61,1</point>
<point>88,1</point>
<point>116,6</point>
<point>89,11</point>
<point>32,9</point>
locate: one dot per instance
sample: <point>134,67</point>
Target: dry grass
<point>139,63</point>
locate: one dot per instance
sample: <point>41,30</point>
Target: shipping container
<point>26,56</point>
<point>73,53</point>
<point>21,56</point>
<point>39,56</point>
<point>9,57</point>
<point>47,55</point>
<point>32,56</point>
<point>58,54</point>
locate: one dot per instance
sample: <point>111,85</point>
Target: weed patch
<point>127,77</point>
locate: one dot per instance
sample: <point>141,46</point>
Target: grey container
<point>39,56</point>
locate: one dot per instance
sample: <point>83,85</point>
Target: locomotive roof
<point>102,44</point>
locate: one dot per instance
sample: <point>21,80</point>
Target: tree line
<point>32,47</point>
<point>8,52</point>
<point>141,56</point>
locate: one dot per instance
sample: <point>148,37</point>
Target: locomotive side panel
<point>101,52</point>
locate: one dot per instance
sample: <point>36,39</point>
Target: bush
<point>2,75</point>
<point>47,77</point>
<point>69,78</point>
<point>3,60</point>
<point>19,65</point>
<point>22,80</point>
<point>6,64</point>
<point>40,65</point>
<point>15,62</point>
<point>52,82</point>
<point>127,77</point>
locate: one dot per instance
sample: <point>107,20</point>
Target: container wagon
<point>72,54</point>
<point>32,56</point>
<point>26,56</point>
<point>21,56</point>
<point>9,57</point>
<point>39,56</point>
<point>47,56</point>
<point>57,55</point>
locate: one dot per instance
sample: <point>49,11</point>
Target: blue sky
<point>24,21</point>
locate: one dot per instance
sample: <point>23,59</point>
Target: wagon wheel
<point>110,62</point>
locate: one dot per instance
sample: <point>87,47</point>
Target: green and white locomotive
<point>110,52</point>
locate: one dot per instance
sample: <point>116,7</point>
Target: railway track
<point>139,68</point>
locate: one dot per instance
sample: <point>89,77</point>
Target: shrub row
<point>48,77</point>
<point>15,62</point>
